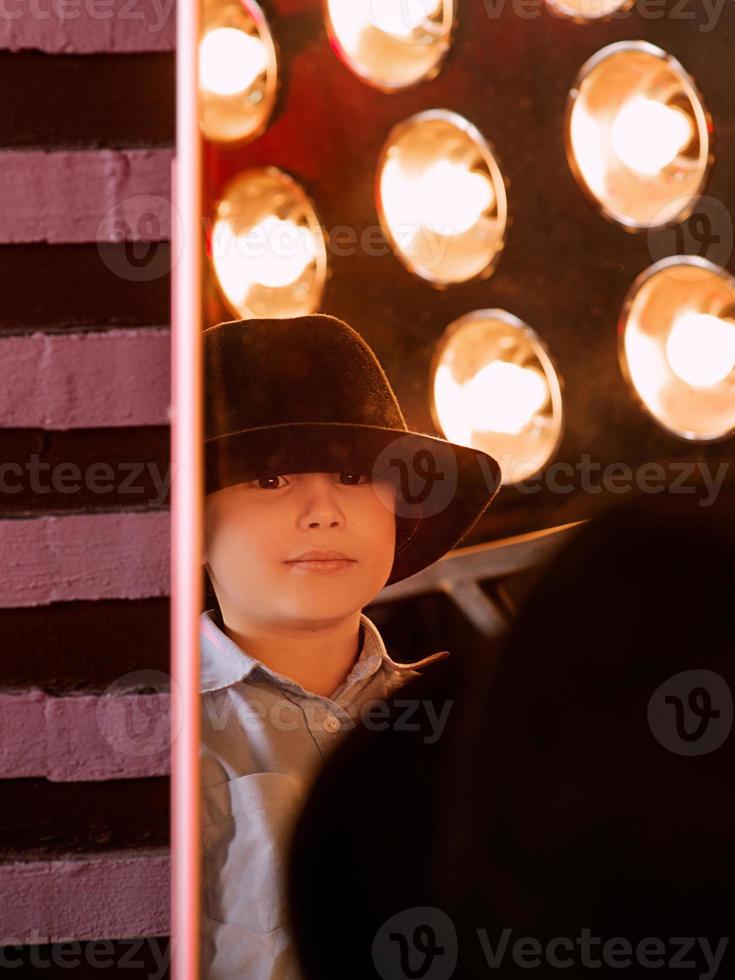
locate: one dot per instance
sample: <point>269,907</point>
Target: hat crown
<point>266,372</point>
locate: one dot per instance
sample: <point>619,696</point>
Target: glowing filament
<point>447,198</point>
<point>648,135</point>
<point>700,349</point>
<point>272,253</point>
<point>452,198</point>
<point>504,397</point>
<point>230,60</point>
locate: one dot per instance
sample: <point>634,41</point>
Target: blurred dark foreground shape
<point>575,816</point>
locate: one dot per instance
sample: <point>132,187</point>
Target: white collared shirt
<point>263,740</point>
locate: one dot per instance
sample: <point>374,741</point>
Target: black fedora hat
<point>307,394</point>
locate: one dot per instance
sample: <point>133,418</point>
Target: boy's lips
<point>320,556</point>
<point>321,561</point>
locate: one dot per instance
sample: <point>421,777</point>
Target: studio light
<point>237,71</point>
<point>441,198</point>
<point>496,389</point>
<point>677,346</point>
<point>638,135</point>
<point>267,247</point>
<point>391,44</point>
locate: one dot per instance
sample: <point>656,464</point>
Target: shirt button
<point>331,724</point>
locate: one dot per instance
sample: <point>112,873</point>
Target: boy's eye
<point>271,482</point>
<point>356,477</point>
<point>261,480</point>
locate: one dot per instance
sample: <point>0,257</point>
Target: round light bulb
<point>495,388</point>
<point>700,349</point>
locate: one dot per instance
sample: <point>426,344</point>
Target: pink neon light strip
<point>186,499</point>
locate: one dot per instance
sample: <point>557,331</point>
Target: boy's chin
<point>340,602</point>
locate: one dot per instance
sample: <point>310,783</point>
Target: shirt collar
<point>224,662</point>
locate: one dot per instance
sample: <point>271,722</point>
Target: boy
<point>317,495</point>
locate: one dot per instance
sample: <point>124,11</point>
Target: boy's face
<point>253,530</point>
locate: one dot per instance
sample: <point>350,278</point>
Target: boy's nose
<point>320,502</point>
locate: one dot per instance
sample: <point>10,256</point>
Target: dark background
<point>565,271</point>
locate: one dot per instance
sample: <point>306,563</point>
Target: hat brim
<point>443,487</point>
